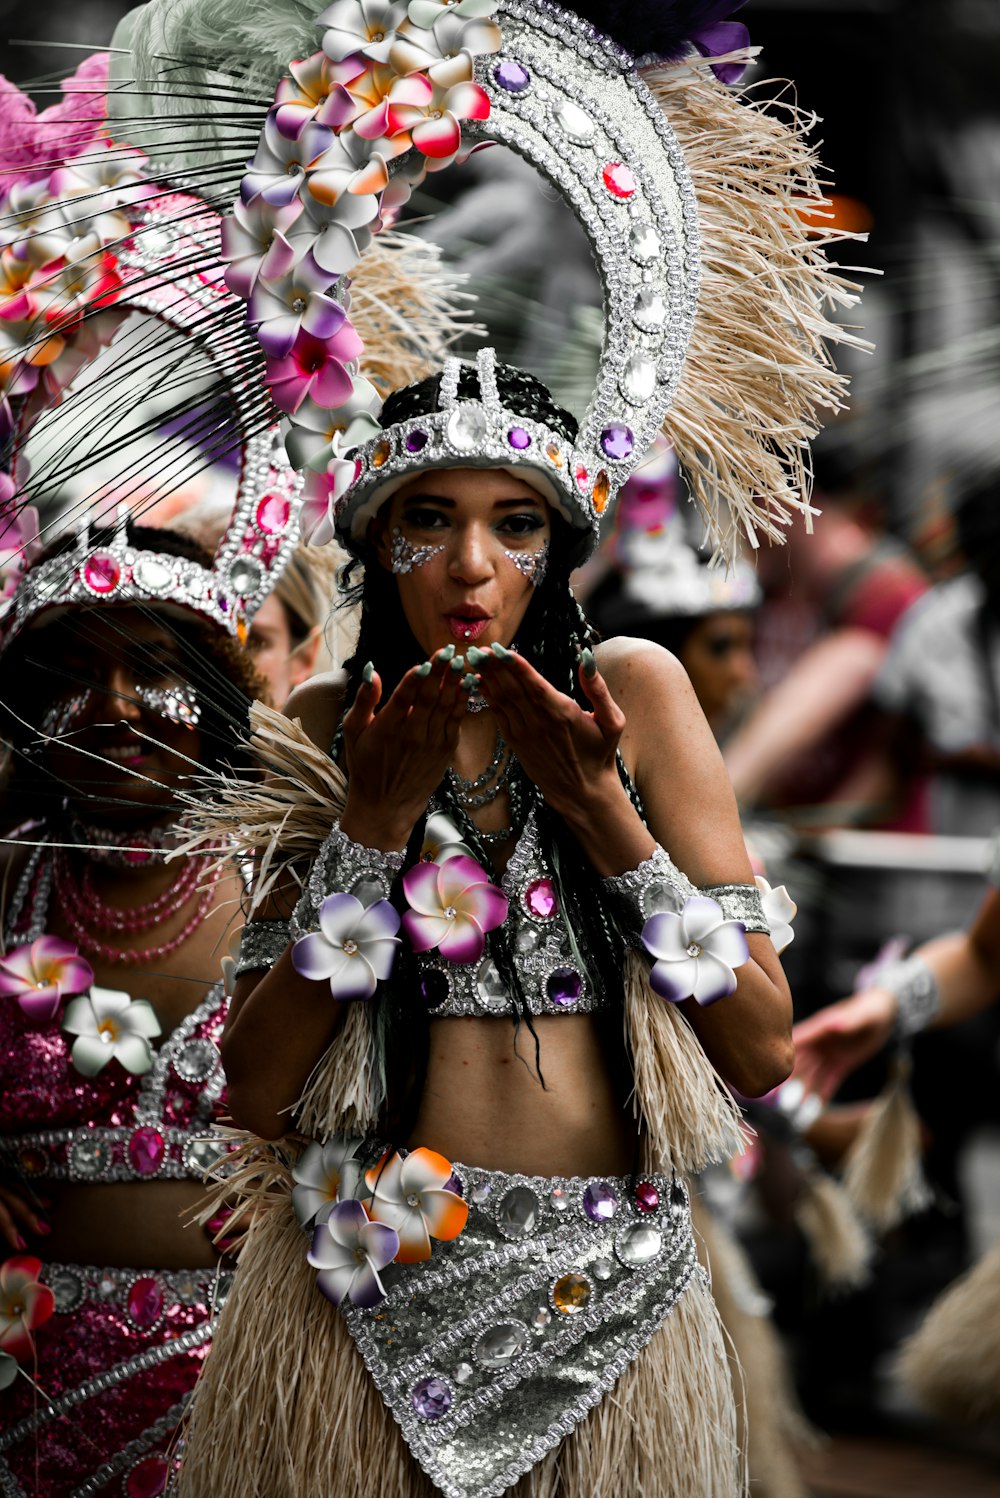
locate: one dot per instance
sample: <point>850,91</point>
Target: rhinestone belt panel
<point>491,1351</point>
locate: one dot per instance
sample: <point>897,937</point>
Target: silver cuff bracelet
<point>915,989</point>
<point>739,902</point>
<point>261,944</point>
<point>345,867</point>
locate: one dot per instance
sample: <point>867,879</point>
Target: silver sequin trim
<point>261,945</point>
<point>341,867</point>
<point>739,902</point>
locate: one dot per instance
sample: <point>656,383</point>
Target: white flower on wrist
<point>325,1174</point>
<point>110,1026</point>
<point>780,911</point>
<point>696,952</point>
<point>354,948</point>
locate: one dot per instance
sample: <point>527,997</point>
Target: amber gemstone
<point>380,452</point>
<point>554,454</point>
<point>602,489</point>
<point>571,1293</point>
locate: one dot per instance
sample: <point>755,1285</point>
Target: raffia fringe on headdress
<point>758,372</point>
<point>883,1174</point>
<point>952,1364</point>
<point>772,1427</point>
<point>286,1409</point>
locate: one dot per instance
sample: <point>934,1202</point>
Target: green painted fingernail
<point>425,669</point>
<point>368,673</point>
<point>470,682</point>
<point>458,664</point>
<point>589,664</point>
<point>475,656</point>
<point>500,651</point>
<point>446,654</point>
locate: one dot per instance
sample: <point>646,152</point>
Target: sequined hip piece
<point>116,1366</point>
<point>491,1351</point>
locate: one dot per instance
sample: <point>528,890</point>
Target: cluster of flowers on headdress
<point>361,1221</point>
<point>391,78</point>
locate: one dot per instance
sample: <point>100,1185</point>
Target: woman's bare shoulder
<point>318,704</point>
<point>633,668</point>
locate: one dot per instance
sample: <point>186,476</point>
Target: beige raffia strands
<point>285,1407</point>
<point>685,1113</point>
<point>841,1248</point>
<point>772,1427</point>
<point>952,1364</point>
<point>758,372</point>
<point>883,1172</point>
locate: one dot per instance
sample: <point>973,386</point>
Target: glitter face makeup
<point>532,564</point>
<point>177,702</point>
<point>62,714</point>
<point>404,557</point>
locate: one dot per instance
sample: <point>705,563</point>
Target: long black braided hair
<point>552,635</point>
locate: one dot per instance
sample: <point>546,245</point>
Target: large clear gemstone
<point>638,380</point>
<point>467,428</point>
<point>152,575</point>
<point>67,1289</point>
<point>638,1243</point>
<point>574,122</point>
<point>649,310</point>
<point>518,1212</point>
<point>644,243</point>
<point>490,986</point>
<point>660,897</point>
<point>500,1344</point>
<point>196,1060</point>
<point>245,576</point>
<point>89,1157</point>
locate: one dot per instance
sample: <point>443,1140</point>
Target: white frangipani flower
<point>780,911</point>
<point>325,1174</point>
<point>353,949</point>
<point>696,952</point>
<point>110,1026</point>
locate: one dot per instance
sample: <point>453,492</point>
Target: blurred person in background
<point>831,602</point>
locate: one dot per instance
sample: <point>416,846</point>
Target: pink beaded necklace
<point>74,898</point>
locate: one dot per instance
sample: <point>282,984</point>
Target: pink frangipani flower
<point>427,108</point>
<point>353,949</point>
<point>317,90</point>
<point>349,1250</point>
<point>248,235</point>
<point>41,975</point>
<point>696,952</point>
<point>411,1195</point>
<point>314,367</point>
<point>320,494</point>
<point>24,1304</point>
<point>452,906</point>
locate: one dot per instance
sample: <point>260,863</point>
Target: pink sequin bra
<point>115,1126</point>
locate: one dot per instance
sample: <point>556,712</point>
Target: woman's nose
<point>123,698</point>
<point>470,562</point>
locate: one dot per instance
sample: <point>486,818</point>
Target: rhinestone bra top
<point>56,1123</point>
<point>552,966</point>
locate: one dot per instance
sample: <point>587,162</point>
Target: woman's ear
<point>378,537</point>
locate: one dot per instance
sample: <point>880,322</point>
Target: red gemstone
<point>145,1302</point>
<point>146,1150</point>
<point>582,478</point>
<point>148,1478</point>
<point>272,514</point>
<point>540,898</point>
<point>647,1198</point>
<point>102,572</point>
<point>619,179</point>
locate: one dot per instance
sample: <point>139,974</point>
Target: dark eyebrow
<point>535,501</point>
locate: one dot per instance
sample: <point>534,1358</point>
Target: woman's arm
<point>965,965</point>
<point>644,701</point>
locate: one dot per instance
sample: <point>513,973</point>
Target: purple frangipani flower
<point>349,1251</point>
<point>353,949</point>
<point>292,294</point>
<point>696,952</point>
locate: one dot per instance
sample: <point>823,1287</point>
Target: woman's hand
<point>568,752</point>
<point>833,1043</point>
<point>397,754</point>
<point>16,1214</point>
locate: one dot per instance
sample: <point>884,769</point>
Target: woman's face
<point>718,657</point>
<point>112,694</point>
<point>468,547</point>
<point>280,661</point>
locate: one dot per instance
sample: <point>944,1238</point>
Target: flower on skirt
<point>24,1305</point>
<point>411,1196</point>
<point>354,947</point>
<point>324,1174</point>
<point>109,1025</point>
<point>780,911</point>
<point>452,906</point>
<point>349,1249</point>
<point>41,974</point>
<point>696,952</point>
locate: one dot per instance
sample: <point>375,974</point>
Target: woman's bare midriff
<point>483,1103</point>
<point>127,1224</point>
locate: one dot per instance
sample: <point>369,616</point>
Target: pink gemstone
<point>148,1478</point>
<point>647,1198</point>
<point>619,179</point>
<point>138,855</point>
<point>272,514</point>
<point>582,478</point>
<point>102,572</point>
<point>540,898</point>
<point>146,1149</point>
<point>145,1302</point>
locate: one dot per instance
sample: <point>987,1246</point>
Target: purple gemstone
<point>431,1398</point>
<point>564,986</point>
<point>647,1198</point>
<point>599,1201</point>
<point>416,441</point>
<point>519,438</point>
<point>511,76</point>
<point>454,1184</point>
<point>434,988</point>
<point>617,441</point>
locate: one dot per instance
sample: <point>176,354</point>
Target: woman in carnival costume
<point>475,1013</point>
<point>125,677</point>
